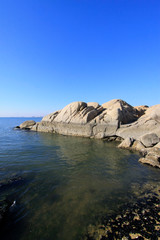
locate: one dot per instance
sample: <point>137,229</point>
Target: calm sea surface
<point>68,182</point>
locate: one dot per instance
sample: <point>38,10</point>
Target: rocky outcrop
<point>147,123</point>
<point>27,124</point>
<point>151,157</point>
<point>115,110</point>
<point>139,127</point>
<point>76,113</point>
<point>50,117</point>
<point>137,145</point>
<point>120,110</point>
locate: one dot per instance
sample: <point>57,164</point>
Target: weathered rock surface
<point>50,117</point>
<point>77,112</point>
<point>120,110</point>
<point>152,113</point>
<point>93,104</point>
<point>27,124</point>
<point>148,123</point>
<point>138,146</point>
<point>141,109</point>
<point>149,139</point>
<point>151,157</point>
<point>81,113</point>
<point>126,143</point>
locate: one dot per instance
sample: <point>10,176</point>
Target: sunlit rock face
<point>82,113</point>
<point>89,119</point>
<point>139,126</point>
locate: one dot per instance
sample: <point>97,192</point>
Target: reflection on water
<point>70,182</point>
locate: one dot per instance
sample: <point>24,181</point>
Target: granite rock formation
<point>139,127</point>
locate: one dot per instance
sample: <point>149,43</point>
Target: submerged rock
<point>13,181</point>
<point>139,220</point>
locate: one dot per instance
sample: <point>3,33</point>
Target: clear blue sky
<point>53,52</point>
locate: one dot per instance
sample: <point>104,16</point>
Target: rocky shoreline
<point>137,127</point>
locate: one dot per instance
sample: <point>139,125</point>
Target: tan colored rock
<point>77,112</point>
<point>157,145</point>
<point>152,157</point>
<point>138,146</point>
<point>70,111</point>
<point>34,127</point>
<point>152,113</point>
<point>93,104</point>
<point>126,143</point>
<point>72,129</point>
<point>27,124</point>
<point>120,110</point>
<point>104,130</point>
<point>150,161</point>
<point>148,123</point>
<point>149,139</point>
<point>50,117</point>
<point>141,110</point>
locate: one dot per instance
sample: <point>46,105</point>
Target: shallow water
<point>69,182</point>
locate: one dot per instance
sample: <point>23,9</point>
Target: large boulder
<point>149,139</point>
<point>152,113</point>
<point>148,123</point>
<point>151,157</point>
<point>77,112</point>
<point>27,124</point>
<point>120,110</point>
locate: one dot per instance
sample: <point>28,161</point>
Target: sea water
<point>67,182</point>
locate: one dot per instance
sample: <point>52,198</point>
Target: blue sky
<point>53,52</point>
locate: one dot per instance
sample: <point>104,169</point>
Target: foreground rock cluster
<point>137,127</point>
